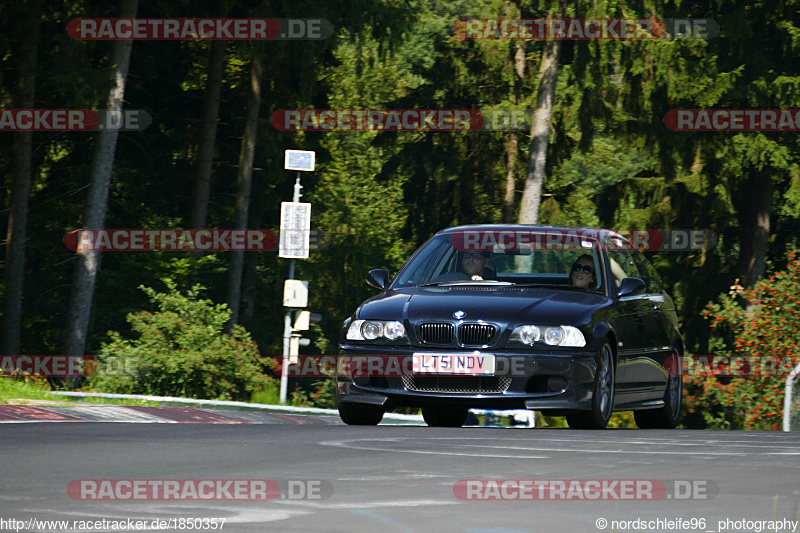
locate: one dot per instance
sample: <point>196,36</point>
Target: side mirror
<point>631,287</point>
<point>378,278</point>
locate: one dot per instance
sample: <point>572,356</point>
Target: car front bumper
<point>541,380</point>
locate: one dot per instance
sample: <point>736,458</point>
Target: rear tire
<point>445,417</point>
<point>603,398</point>
<point>665,417</point>
<point>354,414</point>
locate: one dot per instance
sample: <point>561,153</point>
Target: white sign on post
<point>295,230</point>
<point>295,293</point>
<point>299,160</point>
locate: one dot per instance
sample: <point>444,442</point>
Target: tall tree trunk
<point>208,134</point>
<point>755,226</point>
<point>21,165</point>
<point>512,140</point>
<point>540,131</point>
<point>247,305</point>
<point>244,183</point>
<point>94,217</point>
<point>512,149</point>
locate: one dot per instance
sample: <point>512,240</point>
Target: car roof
<point>528,227</point>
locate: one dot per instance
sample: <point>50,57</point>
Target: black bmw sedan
<point>573,322</point>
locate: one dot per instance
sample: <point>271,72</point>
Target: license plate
<point>453,363</point>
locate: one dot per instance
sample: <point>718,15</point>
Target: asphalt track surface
<point>395,477</point>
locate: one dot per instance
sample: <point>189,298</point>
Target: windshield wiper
<point>465,282</point>
<point>554,286</point>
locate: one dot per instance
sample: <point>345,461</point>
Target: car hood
<point>539,305</point>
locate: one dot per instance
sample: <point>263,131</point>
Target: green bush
<point>181,350</point>
<point>767,331</point>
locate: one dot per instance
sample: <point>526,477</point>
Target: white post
<point>293,160</point>
<point>287,334</point>
<point>787,398</point>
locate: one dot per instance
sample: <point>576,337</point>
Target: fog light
<point>556,383</point>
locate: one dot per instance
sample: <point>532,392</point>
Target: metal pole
<point>297,187</point>
<point>787,399</point>
<point>287,333</point>
<point>287,325</point>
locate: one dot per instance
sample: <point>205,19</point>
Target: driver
<point>475,263</point>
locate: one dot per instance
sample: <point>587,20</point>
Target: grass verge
<point>20,391</point>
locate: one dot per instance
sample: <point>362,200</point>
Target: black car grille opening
<point>458,384</point>
<point>476,334</point>
<point>433,333</point>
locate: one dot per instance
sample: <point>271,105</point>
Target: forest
<point>598,147</point>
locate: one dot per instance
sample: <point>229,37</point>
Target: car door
<point>659,324</point>
<point>633,322</point>
<point>645,378</point>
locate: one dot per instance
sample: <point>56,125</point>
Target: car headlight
<point>528,335</point>
<point>554,336</point>
<point>369,330</point>
<point>394,330</point>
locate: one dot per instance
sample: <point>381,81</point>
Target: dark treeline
<point>212,159</point>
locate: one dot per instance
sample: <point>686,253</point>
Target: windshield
<point>446,260</point>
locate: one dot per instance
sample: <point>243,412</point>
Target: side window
<point>620,261</point>
<point>649,272</point>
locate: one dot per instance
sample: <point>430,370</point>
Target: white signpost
<point>295,230</point>
<point>294,244</point>
<point>299,160</point>
<point>295,293</point>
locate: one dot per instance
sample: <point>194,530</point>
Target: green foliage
<point>378,195</point>
<point>577,185</point>
<point>180,350</point>
<point>23,388</point>
<point>297,397</point>
<point>766,328</point>
<point>325,393</point>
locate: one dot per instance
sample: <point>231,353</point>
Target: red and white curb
<point>116,413</point>
<point>247,413</point>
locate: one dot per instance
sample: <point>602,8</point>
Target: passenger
<point>582,275</point>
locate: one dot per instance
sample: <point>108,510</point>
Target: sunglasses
<point>473,256</point>
<point>585,268</point>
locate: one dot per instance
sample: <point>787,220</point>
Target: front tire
<point>665,417</point>
<point>354,414</point>
<point>445,417</point>
<point>603,398</point>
